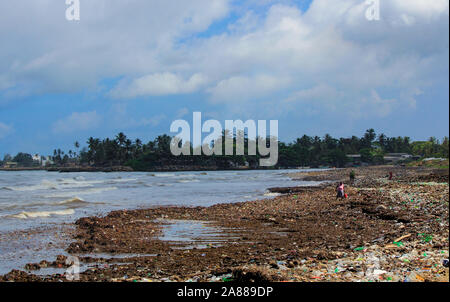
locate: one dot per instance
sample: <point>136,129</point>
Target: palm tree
<point>128,147</point>
<point>137,148</point>
<point>121,138</point>
<point>382,141</point>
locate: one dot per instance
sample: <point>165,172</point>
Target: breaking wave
<point>44,185</point>
<point>74,200</point>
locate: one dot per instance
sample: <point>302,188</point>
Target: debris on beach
<point>386,231</point>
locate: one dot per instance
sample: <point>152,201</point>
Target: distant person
<point>390,175</point>
<point>340,191</point>
<point>352,176</point>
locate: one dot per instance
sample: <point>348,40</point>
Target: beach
<point>386,230</point>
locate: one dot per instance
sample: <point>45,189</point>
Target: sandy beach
<point>386,230</point>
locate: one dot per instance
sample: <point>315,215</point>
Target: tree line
<point>304,151</point>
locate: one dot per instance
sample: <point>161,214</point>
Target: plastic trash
<point>378,272</point>
<point>425,237</point>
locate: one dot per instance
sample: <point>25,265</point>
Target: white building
<point>46,160</point>
<point>42,160</point>
<point>395,157</point>
<point>37,158</point>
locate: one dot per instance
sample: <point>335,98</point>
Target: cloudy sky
<point>135,66</point>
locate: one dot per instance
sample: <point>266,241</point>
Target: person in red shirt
<point>340,191</point>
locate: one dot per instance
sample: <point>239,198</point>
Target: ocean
<point>34,205</point>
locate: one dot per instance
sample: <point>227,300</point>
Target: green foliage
<point>431,148</point>
<point>23,159</point>
<point>366,155</point>
<point>304,151</point>
<point>352,174</point>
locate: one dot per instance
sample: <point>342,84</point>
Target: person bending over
<point>340,191</point>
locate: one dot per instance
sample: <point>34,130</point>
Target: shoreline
<point>129,169</point>
<point>302,235</point>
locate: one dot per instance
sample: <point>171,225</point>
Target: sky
<point>135,66</point>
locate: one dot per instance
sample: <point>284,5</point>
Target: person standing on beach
<point>340,191</point>
<point>352,176</point>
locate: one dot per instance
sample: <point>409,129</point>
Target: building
<point>10,164</point>
<point>389,158</point>
<point>37,158</point>
<point>353,160</point>
<point>42,160</point>
<point>46,160</point>
<point>396,157</point>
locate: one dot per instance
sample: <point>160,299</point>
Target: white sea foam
<point>162,175</point>
<point>26,215</point>
<point>44,185</point>
<point>187,175</point>
<point>62,183</point>
<point>78,183</point>
<point>81,192</point>
<point>72,200</point>
<point>121,180</point>
<point>269,194</point>
<point>220,178</point>
<point>187,180</point>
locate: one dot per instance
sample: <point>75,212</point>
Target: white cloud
<point>242,88</point>
<point>126,122</point>
<point>263,57</point>
<point>114,38</point>
<point>119,117</point>
<point>319,92</point>
<point>5,130</point>
<point>181,112</point>
<point>374,105</point>
<point>77,121</point>
<point>158,84</point>
<point>323,99</point>
<point>425,9</point>
<point>153,121</point>
<point>331,43</point>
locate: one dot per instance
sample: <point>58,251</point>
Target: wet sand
<point>387,230</point>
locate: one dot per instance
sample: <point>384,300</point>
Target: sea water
<point>41,200</point>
